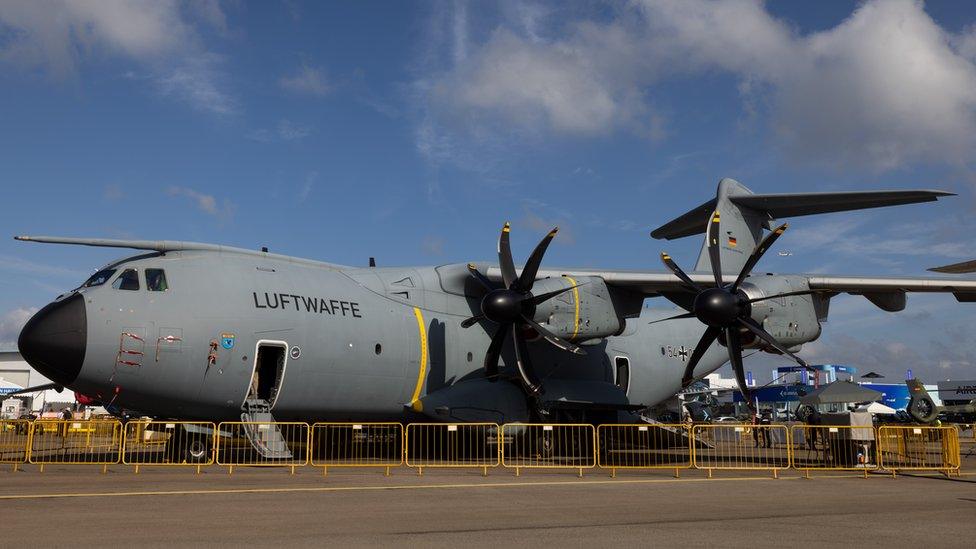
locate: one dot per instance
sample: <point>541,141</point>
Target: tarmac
<point>79,505</point>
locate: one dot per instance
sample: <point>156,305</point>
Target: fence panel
<point>537,445</point>
<point>76,442</point>
<point>171,443</point>
<point>918,448</point>
<point>357,445</point>
<point>452,445</point>
<point>14,440</point>
<point>834,447</point>
<point>634,446</point>
<point>262,443</point>
<point>741,447</point>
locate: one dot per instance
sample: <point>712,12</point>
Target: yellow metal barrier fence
<point>744,446</point>
<point>14,441</point>
<point>171,443</point>
<point>635,446</point>
<point>76,442</point>
<point>918,448</point>
<point>537,445</point>
<point>356,445</point>
<point>834,447</point>
<point>452,445</point>
<point>262,443</point>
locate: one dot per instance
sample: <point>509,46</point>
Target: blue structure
<point>794,382</point>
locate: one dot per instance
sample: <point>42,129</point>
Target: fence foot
<point>293,469</point>
<point>580,475</point>
<point>387,471</point>
<point>42,468</point>
<point>325,471</point>
<point>518,471</point>
<point>104,469</point>
<point>677,473</point>
<point>865,473</point>
<point>484,471</point>
<point>15,467</point>
<point>775,473</point>
<point>230,470</point>
<point>893,473</point>
<point>613,472</point>
<point>137,469</point>
<point>709,473</point>
<point>198,469</point>
<point>806,474</point>
<point>420,471</point>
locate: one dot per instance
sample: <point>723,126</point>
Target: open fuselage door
<point>270,361</point>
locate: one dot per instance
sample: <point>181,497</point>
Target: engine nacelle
<point>792,320</point>
<point>585,312</point>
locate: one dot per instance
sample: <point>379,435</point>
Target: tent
<point>876,408</point>
<point>840,392</point>
<point>872,375</point>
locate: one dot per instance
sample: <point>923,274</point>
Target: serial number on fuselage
<point>307,304</point>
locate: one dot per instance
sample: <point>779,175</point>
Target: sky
<point>411,131</point>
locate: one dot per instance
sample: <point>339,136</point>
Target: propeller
<point>725,310</point>
<point>512,307</point>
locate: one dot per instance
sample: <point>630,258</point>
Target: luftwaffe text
<point>308,304</point>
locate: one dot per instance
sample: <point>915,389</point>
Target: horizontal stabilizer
<point>778,206</point>
<point>956,268</point>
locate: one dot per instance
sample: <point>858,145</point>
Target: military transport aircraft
<point>202,331</point>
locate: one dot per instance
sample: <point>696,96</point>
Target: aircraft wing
<point>652,283</point>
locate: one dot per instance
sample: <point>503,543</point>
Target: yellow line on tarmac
<point>394,487</point>
<point>310,489</point>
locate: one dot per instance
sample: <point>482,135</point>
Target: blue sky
<point>412,131</point>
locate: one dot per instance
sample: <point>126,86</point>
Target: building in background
<point>16,374</point>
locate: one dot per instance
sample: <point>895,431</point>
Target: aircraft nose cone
<point>53,341</point>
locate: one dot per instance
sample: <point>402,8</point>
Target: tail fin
<point>745,215</point>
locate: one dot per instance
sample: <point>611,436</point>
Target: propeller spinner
<point>512,307</point>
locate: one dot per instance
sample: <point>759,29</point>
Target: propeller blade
<point>494,352</point>
<point>714,251</point>
<point>469,322</point>
<point>552,338</point>
<point>788,294</point>
<point>757,255</point>
<point>670,264</point>
<point>703,344</point>
<point>524,365</point>
<point>531,268</point>
<point>684,300</point>
<point>755,328</point>
<point>485,283</point>
<point>735,357</point>
<point>505,261</point>
<point>542,298</point>
<point>675,317</point>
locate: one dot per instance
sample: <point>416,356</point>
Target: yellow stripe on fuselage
<point>576,322</point>
<point>415,399</point>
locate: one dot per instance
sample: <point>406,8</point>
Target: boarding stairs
<point>680,432</point>
<point>262,431</point>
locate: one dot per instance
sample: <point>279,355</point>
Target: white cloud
<point>308,185</point>
<point>195,82</point>
<point>59,35</point>
<point>11,323</point>
<point>308,80</point>
<point>206,203</point>
<point>885,88</point>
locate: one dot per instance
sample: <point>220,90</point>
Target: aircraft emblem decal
<point>227,340</point>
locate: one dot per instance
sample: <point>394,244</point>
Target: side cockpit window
<point>99,278</point>
<point>156,280</point>
<point>128,280</point>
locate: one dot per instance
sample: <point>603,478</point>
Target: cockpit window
<point>128,280</point>
<point>99,278</point>
<point>156,280</point>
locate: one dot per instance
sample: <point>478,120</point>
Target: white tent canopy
<point>876,408</point>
